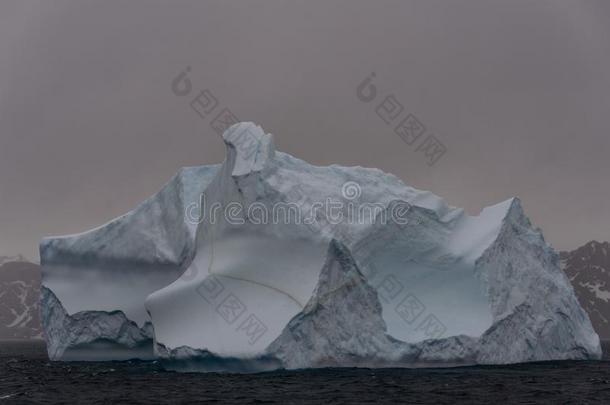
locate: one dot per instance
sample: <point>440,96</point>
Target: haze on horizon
<point>518,92</point>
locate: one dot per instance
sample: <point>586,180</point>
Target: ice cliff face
<point>266,261</point>
<point>115,267</point>
<point>343,325</point>
<point>93,335</point>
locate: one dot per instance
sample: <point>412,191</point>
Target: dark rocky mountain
<point>588,268</point>
<point>19,294</point>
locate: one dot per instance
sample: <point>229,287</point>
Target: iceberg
<point>267,262</point>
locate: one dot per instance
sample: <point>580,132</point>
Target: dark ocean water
<point>27,377</point>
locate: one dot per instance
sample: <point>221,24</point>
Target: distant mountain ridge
<point>19,296</point>
<point>16,258</point>
<point>588,269</point>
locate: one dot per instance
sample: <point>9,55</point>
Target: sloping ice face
<point>266,261</point>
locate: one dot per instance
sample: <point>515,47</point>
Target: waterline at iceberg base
<point>244,292</point>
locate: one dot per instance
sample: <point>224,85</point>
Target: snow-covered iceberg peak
<point>294,265</point>
<point>249,148</point>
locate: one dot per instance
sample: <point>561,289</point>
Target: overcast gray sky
<point>518,91</point>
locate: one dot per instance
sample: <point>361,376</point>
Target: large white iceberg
<point>266,262</point>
